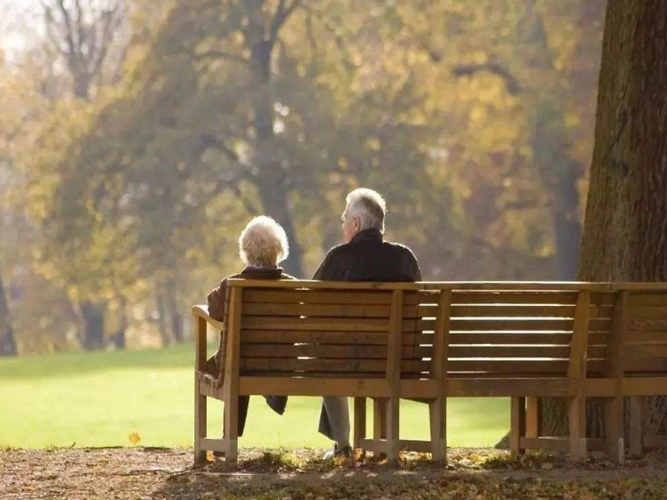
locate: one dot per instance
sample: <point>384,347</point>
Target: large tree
<point>625,235</point>
<point>625,230</point>
<point>7,343</point>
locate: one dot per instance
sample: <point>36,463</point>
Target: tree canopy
<point>474,120</point>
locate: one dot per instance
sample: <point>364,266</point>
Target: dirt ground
<point>150,473</point>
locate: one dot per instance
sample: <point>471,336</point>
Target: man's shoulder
<point>400,247</point>
<point>340,249</point>
<point>335,262</point>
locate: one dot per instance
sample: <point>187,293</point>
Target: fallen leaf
<point>134,437</point>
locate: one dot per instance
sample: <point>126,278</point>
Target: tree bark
<point>625,229</point>
<point>7,342</point>
<point>271,179</point>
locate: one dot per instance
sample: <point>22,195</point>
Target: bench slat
<point>321,310</point>
<point>646,324</point>
<point>642,351</point>
<point>513,297</point>
<point>326,365</point>
<point>380,338</point>
<point>487,366</point>
<point>340,297</point>
<point>408,352</point>
<point>647,313</point>
<point>252,336</point>
<point>479,311</point>
<point>322,324</point>
<point>638,299</point>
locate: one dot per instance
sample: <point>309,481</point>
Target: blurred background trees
<point>137,137</point>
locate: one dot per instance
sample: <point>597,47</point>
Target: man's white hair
<point>263,242</point>
<point>369,206</point>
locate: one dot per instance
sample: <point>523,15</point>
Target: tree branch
<point>283,12</point>
<point>111,20</point>
<point>217,54</point>
<point>208,141</point>
<point>82,36</point>
<point>513,86</point>
<point>69,35</point>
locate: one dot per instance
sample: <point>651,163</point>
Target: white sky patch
<point>19,20</point>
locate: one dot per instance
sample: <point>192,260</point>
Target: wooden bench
<point>524,341</point>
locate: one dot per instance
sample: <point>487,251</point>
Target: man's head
<point>263,242</point>
<point>365,209</point>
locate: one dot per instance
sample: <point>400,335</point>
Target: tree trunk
<point>93,325</point>
<point>549,142</point>
<point>162,318</point>
<point>119,339</point>
<point>7,342</point>
<point>271,180</point>
<point>625,230</point>
<point>176,318</point>
<point>625,234</point>
<point>567,228</point>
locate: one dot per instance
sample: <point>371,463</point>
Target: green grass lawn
<point>100,398</point>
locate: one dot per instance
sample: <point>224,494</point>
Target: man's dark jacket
<point>216,309</point>
<point>367,258</point>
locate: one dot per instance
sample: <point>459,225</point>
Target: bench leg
<point>393,440</point>
<point>533,417</point>
<point>200,424</point>
<point>438,418</point>
<point>577,428</point>
<point>380,421</point>
<point>518,423</point>
<point>638,417</point>
<point>359,421</point>
<point>230,436</point>
<point>613,421</point>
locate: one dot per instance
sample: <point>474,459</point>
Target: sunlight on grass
<point>99,399</point>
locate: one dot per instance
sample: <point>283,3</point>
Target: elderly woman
<point>262,246</point>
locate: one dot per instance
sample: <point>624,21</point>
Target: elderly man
<point>365,256</point>
<point>262,246</point>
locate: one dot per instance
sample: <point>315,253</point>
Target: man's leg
<point>335,423</point>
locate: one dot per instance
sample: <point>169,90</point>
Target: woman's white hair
<point>369,206</point>
<point>263,242</point>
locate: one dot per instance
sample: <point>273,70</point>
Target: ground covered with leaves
<point>149,473</point>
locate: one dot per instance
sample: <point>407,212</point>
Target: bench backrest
<point>344,330</point>
<point>645,332</point>
<point>316,333</point>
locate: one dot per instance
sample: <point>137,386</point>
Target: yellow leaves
<point>572,120</point>
<point>478,115</point>
<point>134,437</point>
<point>373,143</point>
<point>209,456</point>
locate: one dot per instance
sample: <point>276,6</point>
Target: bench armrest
<point>201,311</point>
<point>201,318</point>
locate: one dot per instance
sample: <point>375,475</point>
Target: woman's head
<point>263,242</point>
